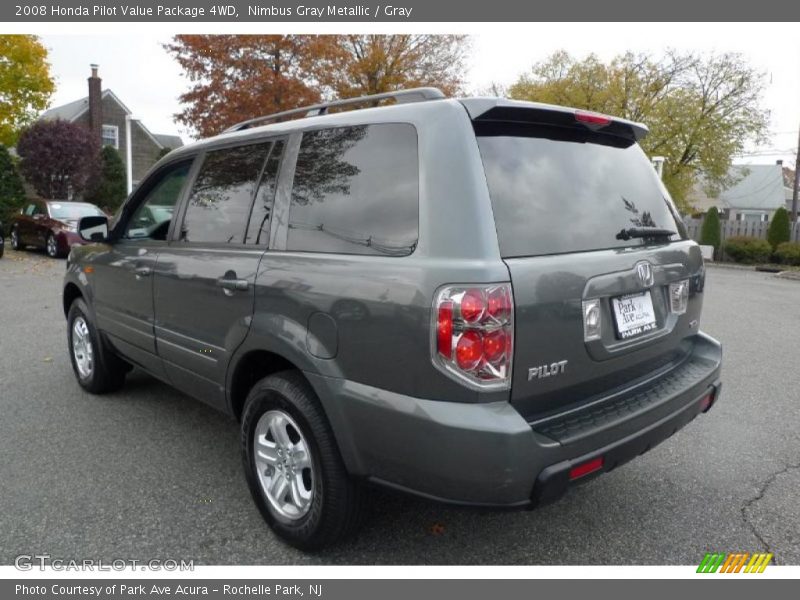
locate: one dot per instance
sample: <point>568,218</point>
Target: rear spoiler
<point>487,110</point>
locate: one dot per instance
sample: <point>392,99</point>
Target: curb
<point>722,265</point>
<point>793,275</point>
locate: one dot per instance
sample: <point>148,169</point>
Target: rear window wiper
<point>644,232</point>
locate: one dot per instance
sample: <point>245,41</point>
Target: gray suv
<point>478,301</point>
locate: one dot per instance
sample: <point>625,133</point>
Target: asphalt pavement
<point>150,473</point>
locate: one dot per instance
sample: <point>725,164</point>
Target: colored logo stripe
<point>735,562</point>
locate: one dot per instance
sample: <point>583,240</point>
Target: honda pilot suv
<point>478,301</point>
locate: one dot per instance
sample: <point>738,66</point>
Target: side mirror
<point>38,217</point>
<point>93,229</point>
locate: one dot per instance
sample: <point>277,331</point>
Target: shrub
<point>788,253</point>
<point>709,234</point>
<point>746,249</point>
<point>109,186</point>
<point>779,231</point>
<point>12,193</point>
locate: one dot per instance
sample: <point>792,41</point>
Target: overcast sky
<point>149,81</point>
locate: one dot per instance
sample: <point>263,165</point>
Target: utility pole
<point>795,229</point>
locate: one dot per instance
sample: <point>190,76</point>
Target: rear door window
<point>356,191</point>
<point>222,195</point>
<point>258,227</point>
<point>556,191</point>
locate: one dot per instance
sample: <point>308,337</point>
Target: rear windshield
<point>557,190</point>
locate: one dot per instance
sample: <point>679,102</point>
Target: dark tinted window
<point>219,205</point>
<point>258,229</point>
<point>570,191</point>
<point>355,191</point>
<point>152,217</point>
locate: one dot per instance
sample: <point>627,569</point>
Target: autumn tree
<point>57,158</point>
<point>25,83</point>
<point>701,109</point>
<point>238,77</point>
<point>357,65</point>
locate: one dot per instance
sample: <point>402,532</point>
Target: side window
<point>356,191</point>
<point>258,228</point>
<point>219,205</point>
<point>152,217</point>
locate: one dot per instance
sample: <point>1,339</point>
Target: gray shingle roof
<point>68,111</point>
<point>759,187</point>
<point>72,110</point>
<point>169,141</point>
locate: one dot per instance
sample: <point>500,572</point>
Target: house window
<point>111,136</point>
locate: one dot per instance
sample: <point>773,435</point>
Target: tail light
<point>679,296</point>
<point>472,334</point>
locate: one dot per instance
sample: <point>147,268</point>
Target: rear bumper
<point>488,455</point>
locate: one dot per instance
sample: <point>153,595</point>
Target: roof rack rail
<point>421,94</point>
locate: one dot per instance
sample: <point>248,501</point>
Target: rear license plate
<point>634,314</point>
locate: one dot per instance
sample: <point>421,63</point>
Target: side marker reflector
<point>585,468</point>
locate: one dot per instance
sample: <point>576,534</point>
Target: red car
<point>50,225</point>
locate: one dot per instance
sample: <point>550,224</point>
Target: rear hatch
<point>594,247</point>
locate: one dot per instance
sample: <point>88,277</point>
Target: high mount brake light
<point>591,118</point>
<point>472,334</point>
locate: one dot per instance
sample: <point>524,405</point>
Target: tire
<point>104,372</point>
<point>51,246</point>
<point>335,507</point>
<point>2,244</point>
<point>15,243</point>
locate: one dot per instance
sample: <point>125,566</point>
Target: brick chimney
<point>95,105</point>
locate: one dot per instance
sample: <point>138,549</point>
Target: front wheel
<point>2,244</point>
<point>97,369</point>
<point>52,246</point>
<point>293,467</point>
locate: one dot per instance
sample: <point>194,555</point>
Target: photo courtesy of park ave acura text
<point>387,292</point>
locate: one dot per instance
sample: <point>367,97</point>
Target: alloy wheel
<point>82,349</point>
<point>52,246</point>
<point>284,465</point>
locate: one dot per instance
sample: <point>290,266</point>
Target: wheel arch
<point>71,293</point>
<point>249,369</point>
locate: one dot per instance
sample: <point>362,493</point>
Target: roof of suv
<point>423,100</point>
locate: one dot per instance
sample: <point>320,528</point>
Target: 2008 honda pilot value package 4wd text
<point>478,301</point>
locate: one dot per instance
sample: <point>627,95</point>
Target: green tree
<point>779,230</point>
<point>701,110</point>
<point>25,83</point>
<point>109,188</point>
<point>710,233</point>
<point>12,193</point>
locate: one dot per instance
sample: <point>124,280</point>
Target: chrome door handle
<point>239,285</point>
<point>142,272</point>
